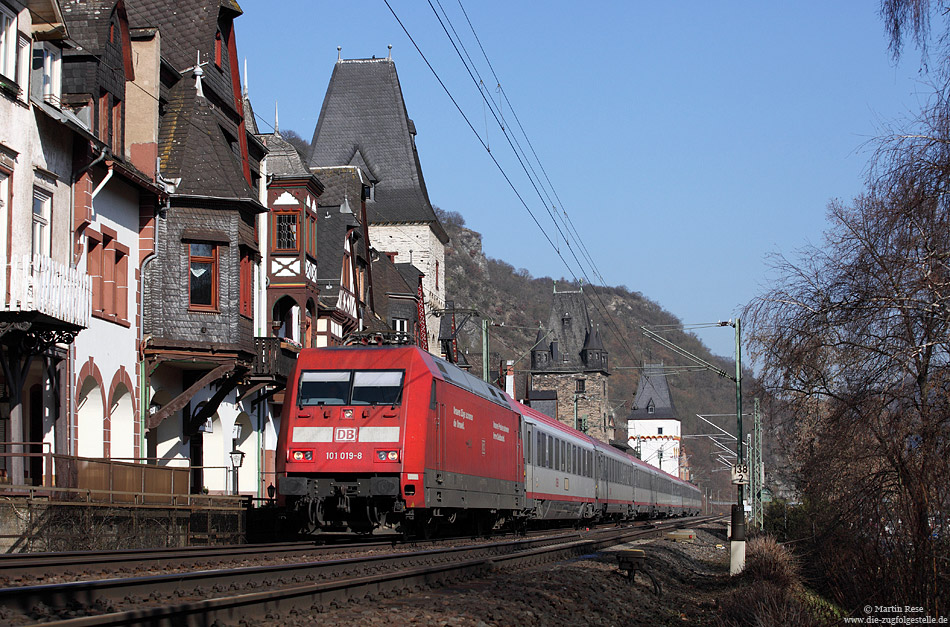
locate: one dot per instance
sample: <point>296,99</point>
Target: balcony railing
<point>273,358</point>
<point>48,287</point>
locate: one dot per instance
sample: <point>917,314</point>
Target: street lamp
<point>237,458</point>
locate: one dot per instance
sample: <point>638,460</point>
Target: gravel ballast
<point>589,590</point>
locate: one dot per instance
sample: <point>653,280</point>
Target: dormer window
<point>650,408</point>
<point>47,68</point>
<point>369,191</point>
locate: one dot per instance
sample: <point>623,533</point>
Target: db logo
<point>345,434</point>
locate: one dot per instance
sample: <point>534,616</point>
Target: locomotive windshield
<point>377,387</point>
<point>347,387</point>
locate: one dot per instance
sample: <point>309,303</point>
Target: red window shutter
<point>122,285</point>
<point>108,275</point>
<point>94,268</point>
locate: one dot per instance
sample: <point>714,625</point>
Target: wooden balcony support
<point>182,399</point>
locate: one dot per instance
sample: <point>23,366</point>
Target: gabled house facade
<point>44,300</point>
<point>290,243</point>
<point>396,300</point>
<point>364,124</point>
<point>114,212</point>
<point>344,270</point>
<point>198,298</point>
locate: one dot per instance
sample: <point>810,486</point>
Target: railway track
<point>19,567</point>
<point>229,595</point>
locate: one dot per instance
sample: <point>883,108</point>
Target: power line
<point>518,151</point>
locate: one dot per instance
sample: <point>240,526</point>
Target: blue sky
<point>686,141</point>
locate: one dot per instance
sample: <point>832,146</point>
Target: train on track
<point>392,436</point>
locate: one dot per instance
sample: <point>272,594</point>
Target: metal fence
<point>75,503</point>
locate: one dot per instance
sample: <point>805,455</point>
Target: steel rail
<point>19,564</point>
<point>14,566</point>
<point>311,586</point>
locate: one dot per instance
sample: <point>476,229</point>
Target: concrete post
<point>737,541</point>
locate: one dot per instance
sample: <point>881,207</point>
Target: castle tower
<point>569,368</point>
<point>653,424</point>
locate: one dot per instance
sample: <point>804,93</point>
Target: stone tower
<point>569,368</point>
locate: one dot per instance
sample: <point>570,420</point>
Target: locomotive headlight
<point>393,456</point>
<point>387,456</point>
<point>348,413</point>
<point>299,456</point>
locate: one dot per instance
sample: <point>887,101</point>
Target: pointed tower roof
<point>568,325</point>
<point>593,343</point>
<point>653,400</point>
<point>364,122</point>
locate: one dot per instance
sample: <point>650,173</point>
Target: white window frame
<point>8,43</point>
<point>42,227</point>
<point>5,182</point>
<point>51,72</point>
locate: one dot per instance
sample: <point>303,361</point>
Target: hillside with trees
<point>516,303</point>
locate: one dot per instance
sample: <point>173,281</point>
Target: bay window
<point>203,276</point>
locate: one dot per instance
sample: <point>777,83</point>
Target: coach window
<point>527,443</point>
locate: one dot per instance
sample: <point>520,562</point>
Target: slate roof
<point>364,122</point>
<point>593,343</point>
<point>250,120</point>
<point>387,280</point>
<point>337,213</point>
<point>193,147</point>
<point>88,22</point>
<point>411,274</point>
<point>568,324</point>
<point>653,387</point>
<point>282,158</point>
<point>185,25</point>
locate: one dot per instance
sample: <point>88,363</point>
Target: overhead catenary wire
<point>501,90</point>
<point>520,155</point>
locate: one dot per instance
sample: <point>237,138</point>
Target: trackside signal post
<point>737,539</point>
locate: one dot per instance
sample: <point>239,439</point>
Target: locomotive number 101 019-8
<point>344,455</point>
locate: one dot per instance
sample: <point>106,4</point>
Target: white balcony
<point>47,287</point>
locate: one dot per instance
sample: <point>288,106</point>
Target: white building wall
<point>220,441</point>
<point>111,346</point>
<point>417,244</point>
<point>39,152</point>
<point>658,442</point>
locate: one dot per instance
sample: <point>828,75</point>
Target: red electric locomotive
<point>391,436</point>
